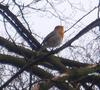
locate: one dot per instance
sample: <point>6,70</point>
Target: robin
<point>54,39</point>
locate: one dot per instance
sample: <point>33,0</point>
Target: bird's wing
<point>48,36</point>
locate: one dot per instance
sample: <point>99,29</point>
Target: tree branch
<point>20,62</point>
<point>81,33</point>
<point>28,53</point>
<point>22,30</point>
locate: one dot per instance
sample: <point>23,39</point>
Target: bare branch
<point>19,27</point>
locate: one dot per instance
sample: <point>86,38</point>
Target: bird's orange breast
<point>61,33</point>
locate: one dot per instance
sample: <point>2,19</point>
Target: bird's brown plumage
<point>55,38</point>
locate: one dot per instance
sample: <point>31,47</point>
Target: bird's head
<point>60,30</point>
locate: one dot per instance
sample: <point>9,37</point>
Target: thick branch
<point>28,53</point>
<point>72,63</point>
<point>22,30</point>
<point>81,33</point>
<point>12,47</point>
<point>80,73</point>
<point>20,62</point>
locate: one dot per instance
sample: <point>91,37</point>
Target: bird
<point>54,38</point>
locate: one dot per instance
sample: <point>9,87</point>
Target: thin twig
<point>80,19</point>
<point>21,11</point>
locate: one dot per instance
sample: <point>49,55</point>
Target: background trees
<point>74,65</point>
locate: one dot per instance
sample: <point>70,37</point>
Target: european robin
<point>54,38</point>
